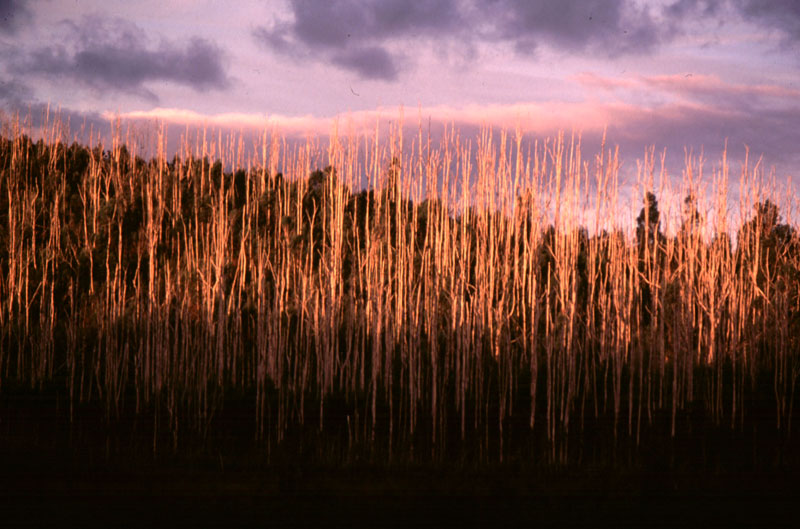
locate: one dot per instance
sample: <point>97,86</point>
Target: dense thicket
<point>417,290</point>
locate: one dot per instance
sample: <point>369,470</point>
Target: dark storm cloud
<point>369,62</point>
<point>13,14</point>
<point>780,15</point>
<point>352,33</point>
<point>783,15</point>
<point>681,9</point>
<point>115,56</point>
<point>594,27</point>
<point>336,22</point>
<point>618,27</point>
<point>364,36</point>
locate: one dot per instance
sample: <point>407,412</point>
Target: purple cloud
<point>13,14</point>
<point>353,34</point>
<point>113,55</point>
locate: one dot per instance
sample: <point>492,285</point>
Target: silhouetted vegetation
<point>463,315</point>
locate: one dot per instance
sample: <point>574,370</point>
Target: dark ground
<point>100,474</point>
<point>199,498</point>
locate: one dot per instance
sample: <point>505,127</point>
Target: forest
<point>399,298</point>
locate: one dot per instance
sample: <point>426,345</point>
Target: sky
<point>672,74</point>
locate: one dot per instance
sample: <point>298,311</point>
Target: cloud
<point>373,37</point>
<point>594,27</point>
<point>336,22</point>
<point>26,115</point>
<point>780,15</point>
<point>113,55</point>
<point>681,9</point>
<point>783,15</point>
<point>667,111</point>
<point>292,126</point>
<point>13,92</point>
<point>369,62</point>
<point>699,111</point>
<point>695,88</point>
<point>705,128</point>
<point>712,90</point>
<point>592,80</point>
<point>357,35</point>
<point>13,14</point>
<point>702,130</point>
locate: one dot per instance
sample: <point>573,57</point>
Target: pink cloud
<point>689,93</point>
<point>232,120</point>
<point>538,118</point>
<point>691,84</point>
<point>592,80</point>
<point>672,112</point>
<point>687,86</point>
